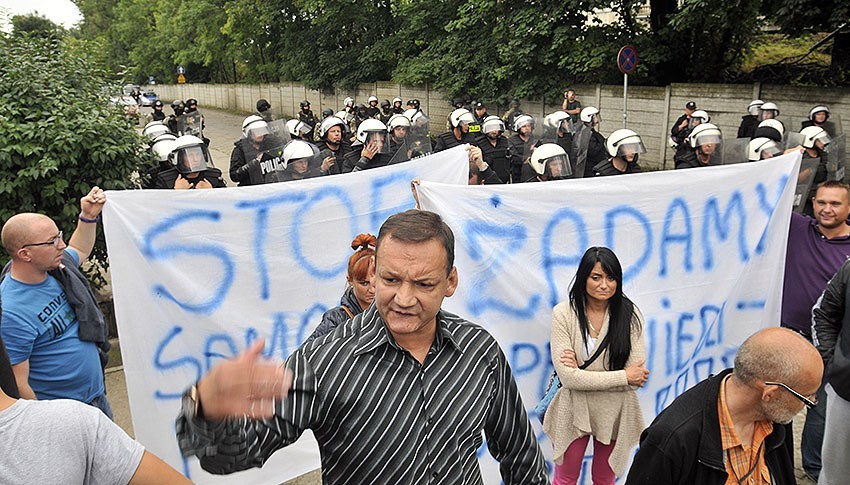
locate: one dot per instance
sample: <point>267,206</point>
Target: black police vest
<point>498,157</point>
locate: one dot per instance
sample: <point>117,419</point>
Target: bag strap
<point>348,310</point>
<point>597,353</point>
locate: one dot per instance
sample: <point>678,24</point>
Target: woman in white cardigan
<point>601,325</point>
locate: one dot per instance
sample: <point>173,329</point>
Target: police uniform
<point>605,168</point>
<point>447,140</point>
<point>498,157</point>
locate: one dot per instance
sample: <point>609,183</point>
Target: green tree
<point>36,25</point>
<point>60,135</point>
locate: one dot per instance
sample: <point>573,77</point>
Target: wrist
<point>88,219</point>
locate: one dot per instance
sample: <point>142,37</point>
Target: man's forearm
<point>83,238</point>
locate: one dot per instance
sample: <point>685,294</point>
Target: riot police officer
<point>370,150</point>
<point>521,143</point>
<point>331,132</point>
<point>386,111</point>
<point>158,114</point>
<point>264,110</point>
<point>177,107</point>
<point>623,146</point>
<point>549,162</point>
<point>704,141</point>
<point>160,148</point>
<point>460,119</point>
<point>298,162</point>
<point>588,143</point>
<point>819,116</point>
<point>305,115</point>
<point>192,167</point>
<point>254,157</point>
<point>397,108</point>
<point>372,111</point>
<point>495,149</point>
<point>747,129</point>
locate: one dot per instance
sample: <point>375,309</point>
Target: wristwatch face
<point>189,404</point>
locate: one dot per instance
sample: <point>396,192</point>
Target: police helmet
<point>587,114</point>
<point>297,128</point>
<point>263,105</point>
<point>367,127</point>
<point>812,134</point>
<point>768,108</point>
<point>413,114</point>
<point>297,150</point>
<point>372,98</point>
<point>254,126</point>
<point>704,134</point>
<point>158,104</point>
<point>162,145</point>
<point>177,106</point>
<point>770,128</point>
<point>396,100</point>
<point>761,148</point>
<point>461,116</point>
<point>550,159</point>
<point>700,115</point>
<point>348,102</point>
<point>154,129</point>
<point>552,120</point>
<point>523,120</point>
<point>189,155</point>
<point>397,121</point>
<point>191,102</point>
<point>819,109</point>
<point>385,104</point>
<point>413,102</point>
<point>492,123</point>
<point>304,104</point>
<point>327,112</point>
<point>623,142</point>
<point>753,107</point>
<point>329,123</point>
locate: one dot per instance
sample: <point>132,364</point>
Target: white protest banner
<point>199,274</point>
<point>702,250</point>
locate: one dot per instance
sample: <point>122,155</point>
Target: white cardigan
<point>593,401</point>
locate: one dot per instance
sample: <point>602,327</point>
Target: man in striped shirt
<point>399,394</point>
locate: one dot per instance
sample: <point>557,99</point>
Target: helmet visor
<point>823,141</point>
<point>770,150</point>
<point>192,159</point>
<point>256,133</point>
<point>705,141</point>
<point>634,148</point>
<point>557,167</point>
<point>377,140</point>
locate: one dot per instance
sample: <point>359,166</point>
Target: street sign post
<point>627,60</point>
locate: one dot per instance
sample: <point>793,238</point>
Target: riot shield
<point>190,124</point>
<point>835,159</point>
<point>418,137</point>
<point>581,141</point>
<point>793,139</point>
<point>808,169</point>
<point>734,150</point>
<point>279,133</point>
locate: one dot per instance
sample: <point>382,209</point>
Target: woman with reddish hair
<point>360,290</point>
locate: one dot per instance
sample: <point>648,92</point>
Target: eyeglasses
<point>808,402</point>
<point>56,242</point>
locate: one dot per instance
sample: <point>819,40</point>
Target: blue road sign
<point>180,70</point>
<point>627,59</point>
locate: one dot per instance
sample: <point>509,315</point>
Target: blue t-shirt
<point>39,324</point>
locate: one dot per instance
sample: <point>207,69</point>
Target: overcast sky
<point>62,12</point>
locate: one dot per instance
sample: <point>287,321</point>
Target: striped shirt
<point>380,416</point>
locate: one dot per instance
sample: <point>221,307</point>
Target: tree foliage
<point>492,49</point>
<point>60,135</point>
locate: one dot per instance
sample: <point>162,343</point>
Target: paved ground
<point>223,128</point>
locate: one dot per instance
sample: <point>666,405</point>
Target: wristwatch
<point>192,403</point>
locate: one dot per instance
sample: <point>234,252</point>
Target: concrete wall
<point>652,110</point>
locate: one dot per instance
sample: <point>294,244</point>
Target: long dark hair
<point>621,310</point>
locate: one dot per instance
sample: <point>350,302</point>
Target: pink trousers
<point>567,473</point>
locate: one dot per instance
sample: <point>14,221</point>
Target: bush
<point>60,134</point>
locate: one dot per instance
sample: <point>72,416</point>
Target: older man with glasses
<point>726,428</point>
<point>52,327</point>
